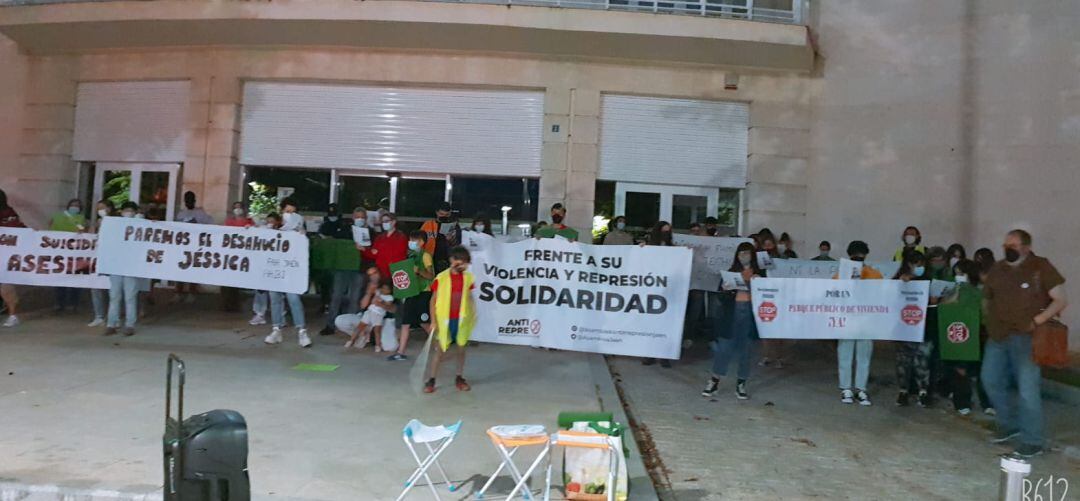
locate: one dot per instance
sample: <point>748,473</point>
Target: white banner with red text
<point>807,308</point>
<point>552,293</point>
<point>50,258</point>
<point>248,258</point>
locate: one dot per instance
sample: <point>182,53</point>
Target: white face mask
<point>909,239</point>
<point>621,225</point>
<point>387,226</point>
<point>127,213</point>
<point>291,221</point>
<point>238,211</point>
<point>961,279</point>
<point>953,261</point>
<point>332,219</point>
<point>480,228</point>
<point>360,221</point>
<point>102,212</point>
<point>745,259</point>
<point>781,248</point>
<point>414,245</point>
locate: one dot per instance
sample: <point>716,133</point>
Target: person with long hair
<point>985,259</point>
<point>774,349</point>
<point>481,223</point>
<point>617,234</point>
<point>913,359</point>
<point>911,240</point>
<point>955,254</point>
<point>742,337</point>
<point>784,247</point>
<point>9,219</point>
<point>659,235</point>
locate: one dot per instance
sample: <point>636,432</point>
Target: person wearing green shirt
<point>71,220</point>
<point>415,310</point>
<point>558,213</point>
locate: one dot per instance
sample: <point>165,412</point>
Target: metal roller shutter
<point>485,132</point>
<point>673,141</point>
<point>132,121</point>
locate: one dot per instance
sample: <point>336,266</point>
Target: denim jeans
<point>348,286</point>
<point>741,344</point>
<point>277,309</point>
<point>1005,362</point>
<point>67,297</point>
<point>861,350</point>
<point>100,299</point>
<point>126,289</point>
<point>259,303</point>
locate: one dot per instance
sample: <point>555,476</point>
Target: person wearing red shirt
<point>239,217</point>
<point>390,246</point>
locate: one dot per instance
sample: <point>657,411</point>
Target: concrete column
<point>570,157</point>
<point>211,169</point>
<point>44,174</point>
<point>779,152</point>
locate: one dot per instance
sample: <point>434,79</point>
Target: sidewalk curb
<point>15,491</point>
<point>641,485</point>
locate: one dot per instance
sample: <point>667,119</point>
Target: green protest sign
<point>958,325</point>
<point>334,254</point>
<point>403,279</point>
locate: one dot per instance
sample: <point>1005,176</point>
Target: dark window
<point>417,199</point>
<point>362,191</point>
<point>472,195</point>
<point>267,185</point>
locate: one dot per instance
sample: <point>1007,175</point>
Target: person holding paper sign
<point>414,310</point>
<point>859,351</point>
<point>291,220</point>
<point>740,345</point>
<point>124,289</point>
<point>913,359</point>
<point>774,349</point>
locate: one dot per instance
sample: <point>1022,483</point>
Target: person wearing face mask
<point>414,310</point>
<point>558,214</point>
<point>1020,293</point>
<point>783,247</point>
<point>70,220</point>
<point>481,224</point>
<point>99,298</point>
<point>453,309</point>
<point>391,246</point>
<point>913,359</point>
<point>961,376</point>
<point>742,336</point>
<point>238,217</point>
<point>443,233</point>
<point>348,285</point>
<point>774,349</point>
<point>617,234</point>
<point>335,226</point>
<point>857,351</point>
<point>291,220</point>
<point>912,240</point>
<point>123,290</point>
<point>823,252</point>
<point>191,213</point>
<point>9,219</point>
<point>261,299</point>
<point>659,235</point>
<point>711,224</point>
<point>956,253</point>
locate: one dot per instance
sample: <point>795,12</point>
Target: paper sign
<point>849,270</point>
<point>404,280</point>
<point>764,260</point>
<point>362,236</point>
<point>733,280</point>
<point>939,288</point>
<point>712,255</point>
<point>51,258</point>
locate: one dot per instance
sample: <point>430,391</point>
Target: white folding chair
<point>436,439</point>
<point>507,440</point>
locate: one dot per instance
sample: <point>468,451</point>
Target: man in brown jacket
<point>1020,293</point>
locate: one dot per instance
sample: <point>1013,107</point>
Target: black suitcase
<point>205,455</point>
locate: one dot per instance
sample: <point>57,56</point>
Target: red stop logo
<point>911,314</point>
<point>958,332</point>
<point>766,312</point>
<point>401,280</point>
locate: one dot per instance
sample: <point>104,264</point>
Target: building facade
<point>831,119</point>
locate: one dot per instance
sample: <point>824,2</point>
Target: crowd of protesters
<point>1018,293</point>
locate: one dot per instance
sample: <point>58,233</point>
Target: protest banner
<point>615,299</point>
<point>801,308</point>
<point>248,258</point>
<point>958,325</point>
<point>804,268</point>
<point>51,258</point>
<point>476,241</point>
<point>711,256</point>
<point>403,279</point>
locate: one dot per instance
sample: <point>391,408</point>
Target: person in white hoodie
<point>290,221</point>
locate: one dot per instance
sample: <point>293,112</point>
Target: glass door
<point>645,204</point>
<point>152,186</point>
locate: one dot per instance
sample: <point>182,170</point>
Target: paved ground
<point>794,439</point>
<point>86,412</point>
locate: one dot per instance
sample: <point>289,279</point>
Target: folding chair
<point>566,438</point>
<point>441,436</point>
<point>507,440</point>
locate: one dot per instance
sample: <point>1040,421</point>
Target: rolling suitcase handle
<point>178,469</point>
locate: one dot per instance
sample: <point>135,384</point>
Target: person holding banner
<point>70,220</point>
<point>859,351</point>
<point>617,234</point>
<point>99,298</point>
<point>659,235</point>
<point>238,218</point>
<point>290,221</point>
<point>913,359</point>
<point>823,252</point>
<point>191,214</point>
<point>481,224</point>
<point>260,301</point>
<point>775,349</point>
<point>9,219</point>
<point>414,309</point>
<point>1021,293</point>
<point>558,213</point>
<point>454,311</point>
<point>743,333</point>
<point>122,288</point>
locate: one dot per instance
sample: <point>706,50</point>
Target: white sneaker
<point>863,398</point>
<point>11,321</point>
<point>302,336</point>
<point>257,320</point>
<point>274,337</point>
<point>964,412</point>
<point>847,397</point>
<point>349,344</point>
<point>98,322</point>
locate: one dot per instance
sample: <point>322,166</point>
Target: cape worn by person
<point>465,314</point>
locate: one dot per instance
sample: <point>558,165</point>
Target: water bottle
<point>1013,472</point>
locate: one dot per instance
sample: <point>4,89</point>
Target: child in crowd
<point>913,359</point>
<point>377,300</point>
<point>454,312</point>
<point>414,310</point>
